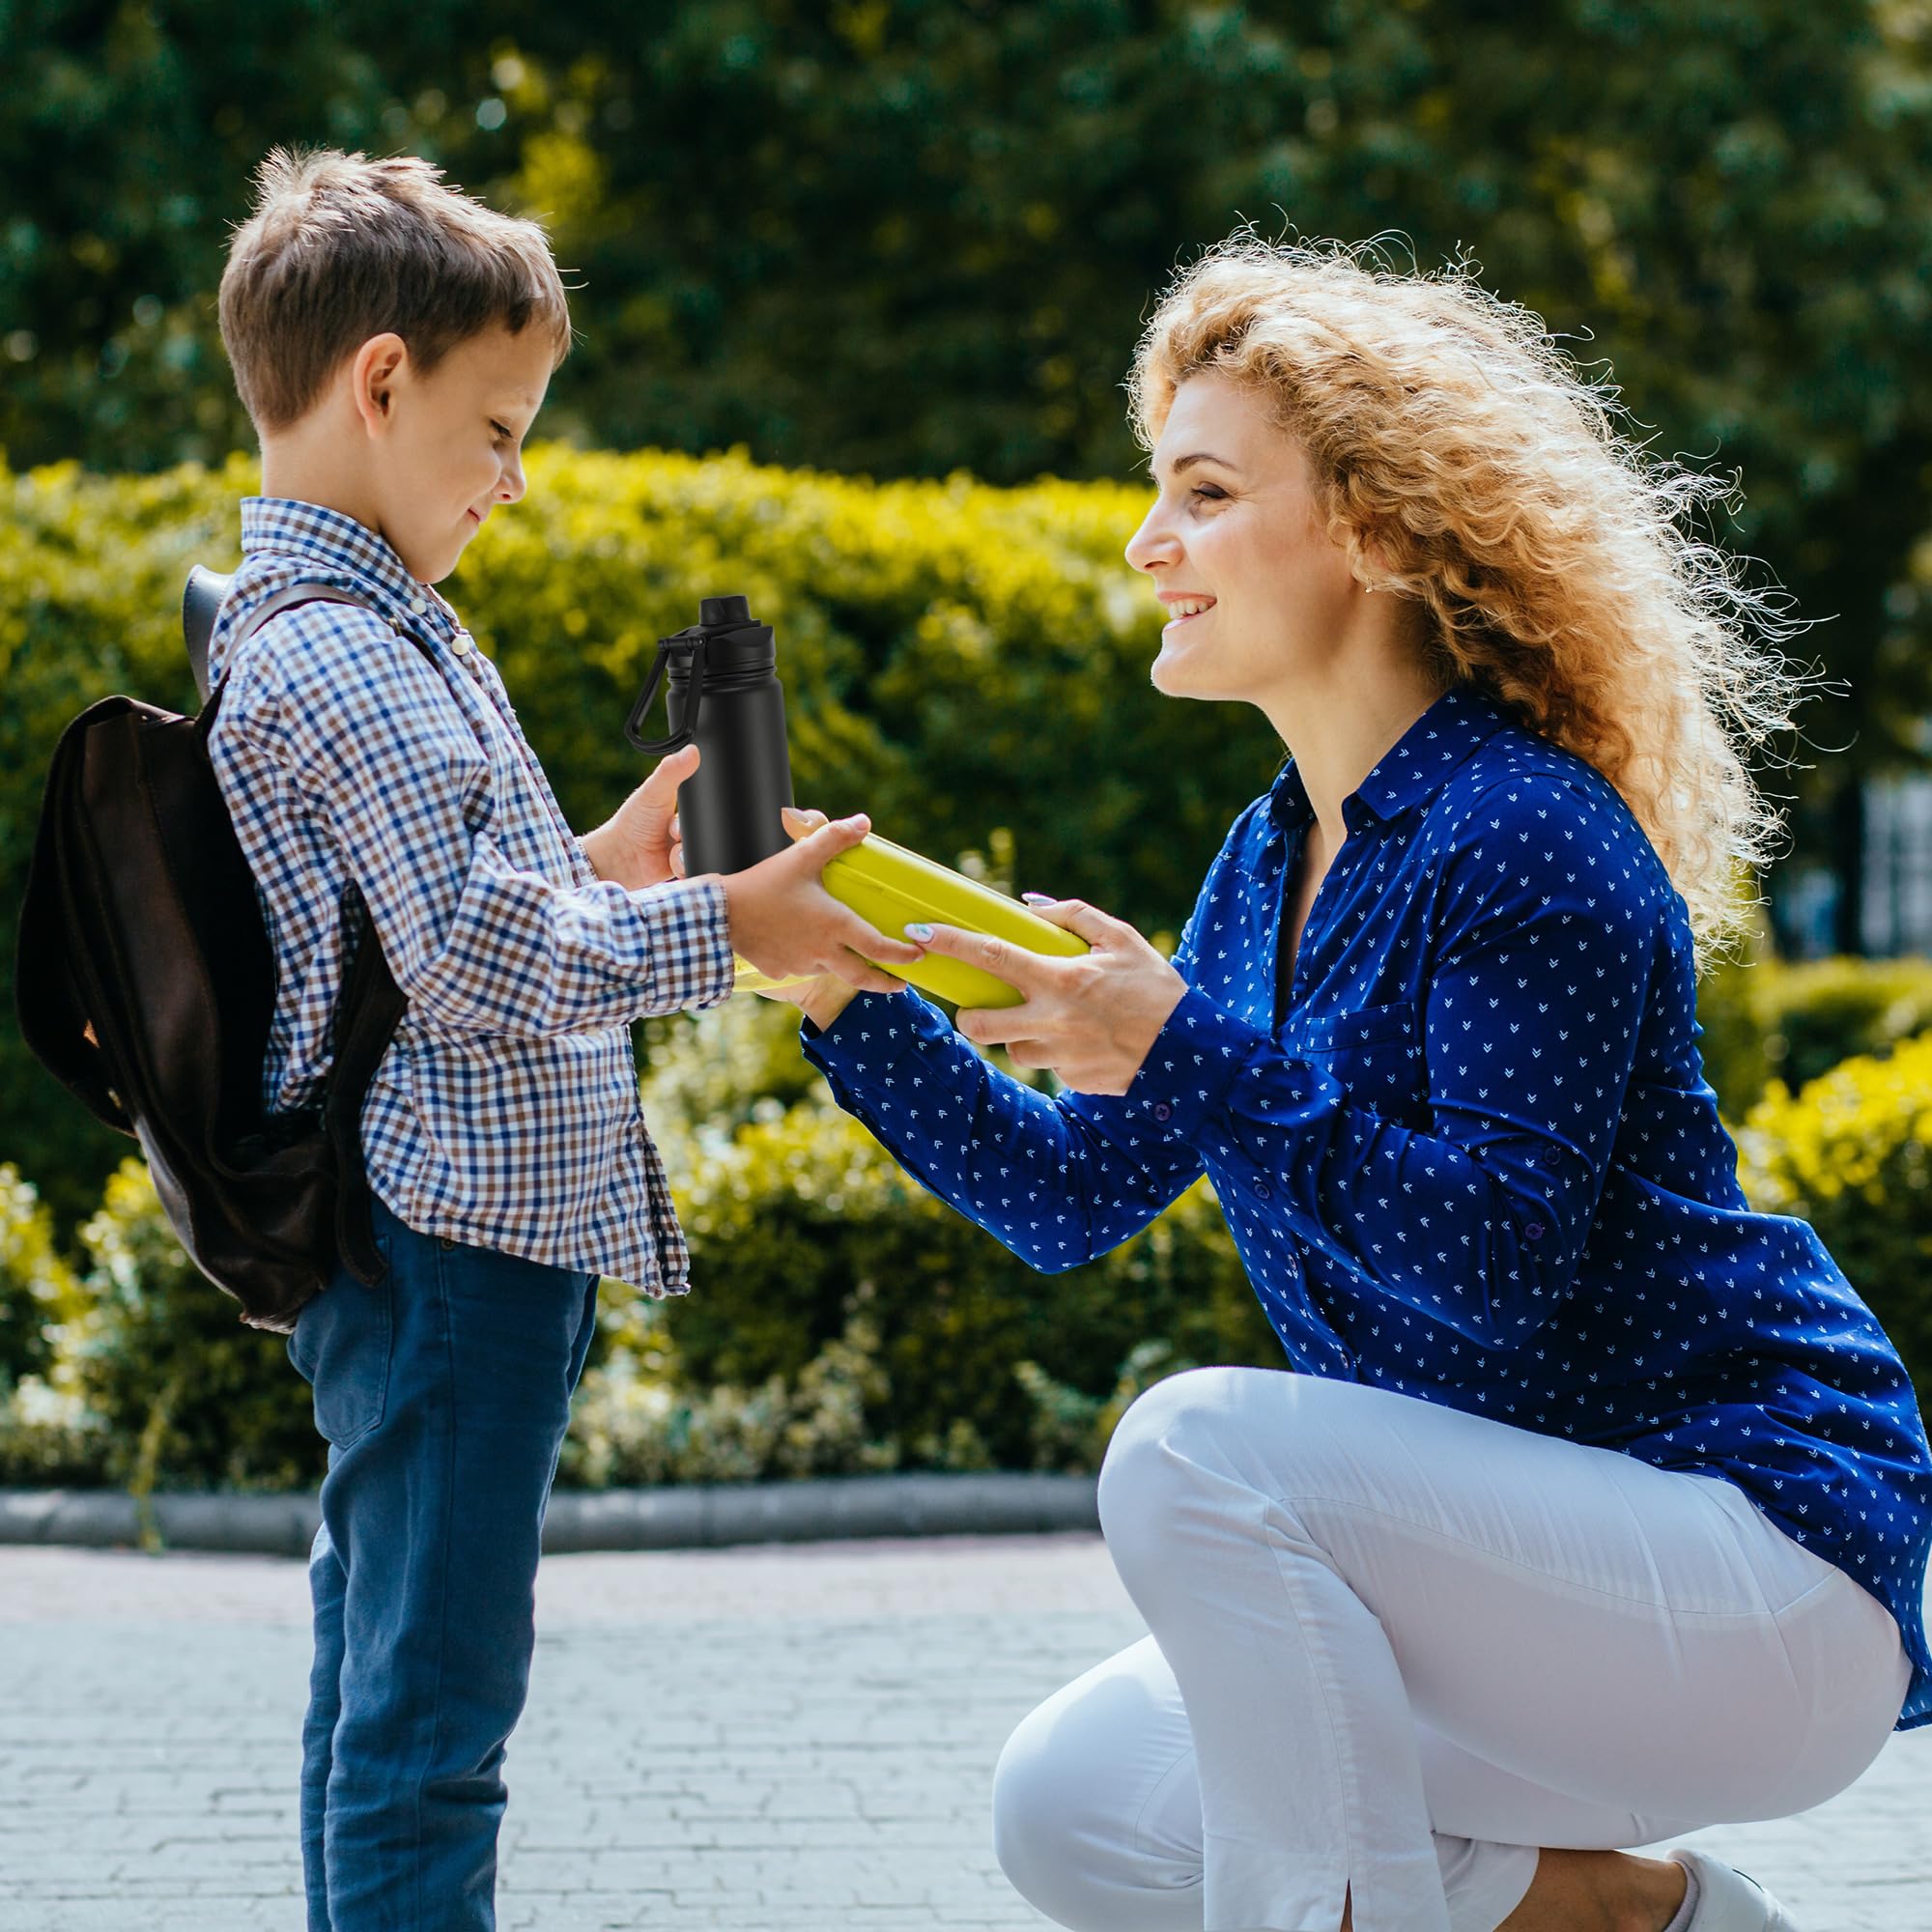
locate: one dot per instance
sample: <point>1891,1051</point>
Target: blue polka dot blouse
<point>1468,1154</point>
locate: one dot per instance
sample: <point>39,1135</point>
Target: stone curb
<point>698,1515</point>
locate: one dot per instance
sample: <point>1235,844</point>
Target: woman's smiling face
<point>1234,537</point>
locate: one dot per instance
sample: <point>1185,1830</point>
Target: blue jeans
<point>443,1393</point>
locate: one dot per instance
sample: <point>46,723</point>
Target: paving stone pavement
<point>781,1738</point>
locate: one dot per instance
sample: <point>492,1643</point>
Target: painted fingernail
<point>1036,898</point>
<point>919,929</point>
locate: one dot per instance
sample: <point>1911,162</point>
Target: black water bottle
<point>722,693</point>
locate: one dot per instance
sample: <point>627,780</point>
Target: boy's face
<point>448,445</point>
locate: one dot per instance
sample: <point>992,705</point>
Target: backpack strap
<point>202,599</point>
<point>201,602</point>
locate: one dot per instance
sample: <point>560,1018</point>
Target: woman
<point>1591,1507</point>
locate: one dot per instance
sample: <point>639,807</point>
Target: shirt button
<point>419,604</point>
<point>1161,1110</point>
<point>460,643</point>
<point>1534,1231</point>
<point>1264,1190</point>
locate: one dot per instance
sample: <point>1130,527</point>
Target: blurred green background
<point>855,289</point>
<point>899,240</point>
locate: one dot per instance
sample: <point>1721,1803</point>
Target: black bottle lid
<point>736,645</point>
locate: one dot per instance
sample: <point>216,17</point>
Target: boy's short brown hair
<point>340,248</point>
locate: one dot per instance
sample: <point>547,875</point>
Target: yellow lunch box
<point>889,887</point>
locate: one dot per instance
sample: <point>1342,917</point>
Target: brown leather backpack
<point>146,982</point>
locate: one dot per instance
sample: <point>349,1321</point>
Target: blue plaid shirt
<point>1468,1154</point>
<point>504,1113</point>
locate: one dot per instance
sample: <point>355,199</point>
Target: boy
<point>393,340</point>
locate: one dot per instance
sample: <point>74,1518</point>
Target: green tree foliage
<point>902,236</point>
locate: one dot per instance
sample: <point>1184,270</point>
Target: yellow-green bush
<point>1851,1152</point>
<point>1793,1021</point>
<point>51,1439</point>
<point>38,1288</point>
<point>633,1424</point>
<point>48,1436</point>
<point>800,1222</point>
<point>841,1319</point>
<point>189,1396</point>
<point>967,664</point>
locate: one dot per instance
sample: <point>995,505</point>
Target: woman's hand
<point>1090,1019</point>
<point>640,844</point>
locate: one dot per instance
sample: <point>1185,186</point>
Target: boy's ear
<point>374,373</point>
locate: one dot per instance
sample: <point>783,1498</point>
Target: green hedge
<point>952,655</point>
<point>802,1223</point>
<point>91,575</point>
<point>841,1318</point>
<point>946,648</point>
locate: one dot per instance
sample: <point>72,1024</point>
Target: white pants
<point>1395,1648</point>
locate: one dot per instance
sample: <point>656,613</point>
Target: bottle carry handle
<point>684,726</point>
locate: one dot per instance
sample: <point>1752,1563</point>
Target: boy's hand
<point>639,845</point>
<point>823,999</point>
<point>785,923</point>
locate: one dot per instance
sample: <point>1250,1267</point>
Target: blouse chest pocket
<point>1375,1054</point>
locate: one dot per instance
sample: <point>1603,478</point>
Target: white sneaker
<point>1729,1900</point>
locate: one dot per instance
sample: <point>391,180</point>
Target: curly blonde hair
<point>1465,463</point>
